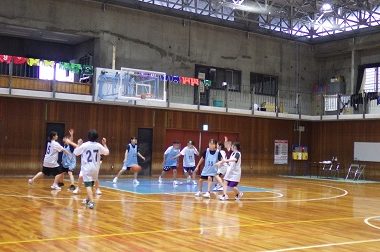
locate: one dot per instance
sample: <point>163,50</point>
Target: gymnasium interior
<point>295,82</point>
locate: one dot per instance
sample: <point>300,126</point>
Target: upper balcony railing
<point>157,89</point>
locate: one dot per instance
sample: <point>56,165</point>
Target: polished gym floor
<point>275,214</point>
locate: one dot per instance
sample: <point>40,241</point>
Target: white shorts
<point>90,175</point>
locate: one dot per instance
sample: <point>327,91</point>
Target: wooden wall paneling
<point>4,81</point>
<point>31,84</point>
<point>74,88</point>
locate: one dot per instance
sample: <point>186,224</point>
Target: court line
<point>146,200</point>
<point>345,192</point>
<point>279,195</point>
<point>172,230</point>
<point>323,245</point>
<point>367,221</point>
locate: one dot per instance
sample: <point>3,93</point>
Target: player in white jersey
<point>50,165</point>
<point>222,169</point>
<point>233,174</point>
<point>90,152</point>
<point>188,154</point>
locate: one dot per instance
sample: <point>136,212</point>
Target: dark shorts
<point>168,168</point>
<point>189,169</point>
<point>64,170</point>
<point>206,177</point>
<point>89,184</point>
<point>51,171</point>
<point>126,168</point>
<point>232,183</point>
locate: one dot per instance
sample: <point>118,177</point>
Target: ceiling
<point>302,20</point>
<point>41,35</point>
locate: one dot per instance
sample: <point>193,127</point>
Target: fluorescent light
<point>238,2</point>
<point>326,7</point>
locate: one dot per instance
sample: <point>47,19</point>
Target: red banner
<point>5,59</point>
<point>19,60</point>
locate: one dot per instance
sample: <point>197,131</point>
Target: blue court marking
<point>150,186</point>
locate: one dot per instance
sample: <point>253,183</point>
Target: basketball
<point>136,168</point>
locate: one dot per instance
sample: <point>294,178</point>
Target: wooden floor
<point>298,215</point>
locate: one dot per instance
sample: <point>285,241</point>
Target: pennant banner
<point>19,60</point>
<point>5,59</point>
<point>33,62</point>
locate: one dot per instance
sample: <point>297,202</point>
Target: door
<point>144,141</point>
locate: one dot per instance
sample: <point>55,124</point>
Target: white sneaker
<point>239,196</point>
<point>30,181</point>
<point>175,182</point>
<point>85,201</point>
<point>114,180</point>
<point>98,192</point>
<point>159,179</point>
<point>198,194</point>
<point>55,187</point>
<point>188,179</point>
<point>223,197</point>
<point>195,182</point>
<point>136,182</point>
<point>90,205</point>
<point>206,195</point>
<point>76,191</point>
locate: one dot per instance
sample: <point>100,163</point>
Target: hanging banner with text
<point>280,151</point>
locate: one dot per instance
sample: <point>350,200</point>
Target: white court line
<point>323,245</point>
<point>367,221</point>
<point>279,195</point>
<point>345,192</point>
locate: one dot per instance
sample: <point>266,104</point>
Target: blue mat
<point>151,186</point>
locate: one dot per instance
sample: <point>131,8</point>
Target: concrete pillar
<point>355,60</point>
<point>103,50</point>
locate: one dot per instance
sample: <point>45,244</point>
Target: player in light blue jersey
<point>210,157</point>
<point>130,159</point>
<point>68,163</point>
<point>171,161</point>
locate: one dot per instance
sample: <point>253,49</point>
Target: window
<point>264,84</point>
<point>371,79</point>
<point>219,75</point>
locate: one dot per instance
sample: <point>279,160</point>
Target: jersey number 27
<point>89,155</point>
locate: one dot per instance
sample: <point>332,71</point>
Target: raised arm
<point>196,152</point>
<point>71,132</point>
<point>105,151</point>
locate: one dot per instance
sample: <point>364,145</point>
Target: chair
<point>331,169</point>
<point>360,172</point>
<point>334,171</point>
<point>356,170</point>
<point>326,166</point>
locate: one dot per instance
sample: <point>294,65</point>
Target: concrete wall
<point>343,57</point>
<point>162,43</point>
